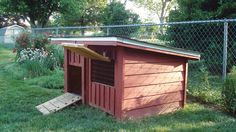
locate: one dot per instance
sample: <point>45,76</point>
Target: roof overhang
<point>84,51</point>
<point>131,43</point>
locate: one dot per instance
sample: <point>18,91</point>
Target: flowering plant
<point>23,40</point>
<point>37,55</point>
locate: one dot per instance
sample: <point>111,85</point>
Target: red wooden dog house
<point>125,77</point>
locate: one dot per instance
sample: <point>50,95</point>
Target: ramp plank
<point>58,103</point>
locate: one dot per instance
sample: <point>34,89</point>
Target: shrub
<point>23,41</point>
<point>39,41</point>
<point>27,40</point>
<point>229,92</point>
<point>202,86</point>
<point>35,55</point>
<point>58,52</point>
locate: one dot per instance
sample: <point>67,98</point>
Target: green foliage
<point>15,71</point>
<point>229,92</point>
<point>203,9</point>
<point>53,81</point>
<point>35,68</point>
<point>39,41</point>
<point>58,53</point>
<point>36,55</point>
<point>202,86</point>
<point>81,13</point>
<point>37,13</point>
<point>27,40</point>
<point>116,14</point>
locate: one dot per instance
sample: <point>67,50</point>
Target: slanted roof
<point>136,44</point>
<point>13,26</point>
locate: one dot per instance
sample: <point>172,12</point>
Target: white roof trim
<point>87,39</point>
<point>134,43</point>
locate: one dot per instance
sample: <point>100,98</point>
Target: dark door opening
<point>75,79</point>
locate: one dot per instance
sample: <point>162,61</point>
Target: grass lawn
<point>18,100</point>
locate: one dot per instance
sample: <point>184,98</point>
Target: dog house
<point>124,77</point>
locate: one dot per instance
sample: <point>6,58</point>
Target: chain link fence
<point>214,39</point>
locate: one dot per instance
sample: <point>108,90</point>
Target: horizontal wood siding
<point>146,68</point>
<point>102,96</point>
<point>148,101</point>
<point>150,90</point>
<point>153,83</point>
<point>154,78</point>
<point>153,110</point>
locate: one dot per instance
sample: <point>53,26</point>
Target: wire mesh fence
<point>214,39</point>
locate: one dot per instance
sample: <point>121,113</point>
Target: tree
<point>203,9</point>
<point>10,19</point>
<point>36,12</point>
<point>116,14</point>
<point>161,8</point>
<point>205,38</point>
<point>83,13</point>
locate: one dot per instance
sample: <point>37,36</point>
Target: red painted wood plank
<point>87,81</point>
<point>83,83</point>
<point>185,82</point>
<point>79,59</point>
<point>148,101</point>
<point>134,56</point>
<point>102,97</point>
<point>107,97</point>
<point>112,100</point>
<point>148,79</point>
<point>74,55</point>
<point>75,58</point>
<point>93,94</point>
<point>97,94</point>
<point>139,91</point>
<point>71,58</point>
<point>66,62</point>
<point>119,82</point>
<point>144,68</point>
<point>90,93</point>
<point>153,110</point>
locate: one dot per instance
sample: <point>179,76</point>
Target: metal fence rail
<point>214,39</point>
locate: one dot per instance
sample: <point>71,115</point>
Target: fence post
<point>56,32</point>
<point>225,52</point>
<point>108,31</point>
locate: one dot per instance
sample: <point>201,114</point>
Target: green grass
<point>6,55</point>
<point>53,81</point>
<point>19,98</point>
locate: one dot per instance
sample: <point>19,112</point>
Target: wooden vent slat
<point>102,72</point>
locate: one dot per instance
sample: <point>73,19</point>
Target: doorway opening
<point>75,79</point>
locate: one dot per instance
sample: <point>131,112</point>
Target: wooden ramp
<point>58,103</point>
